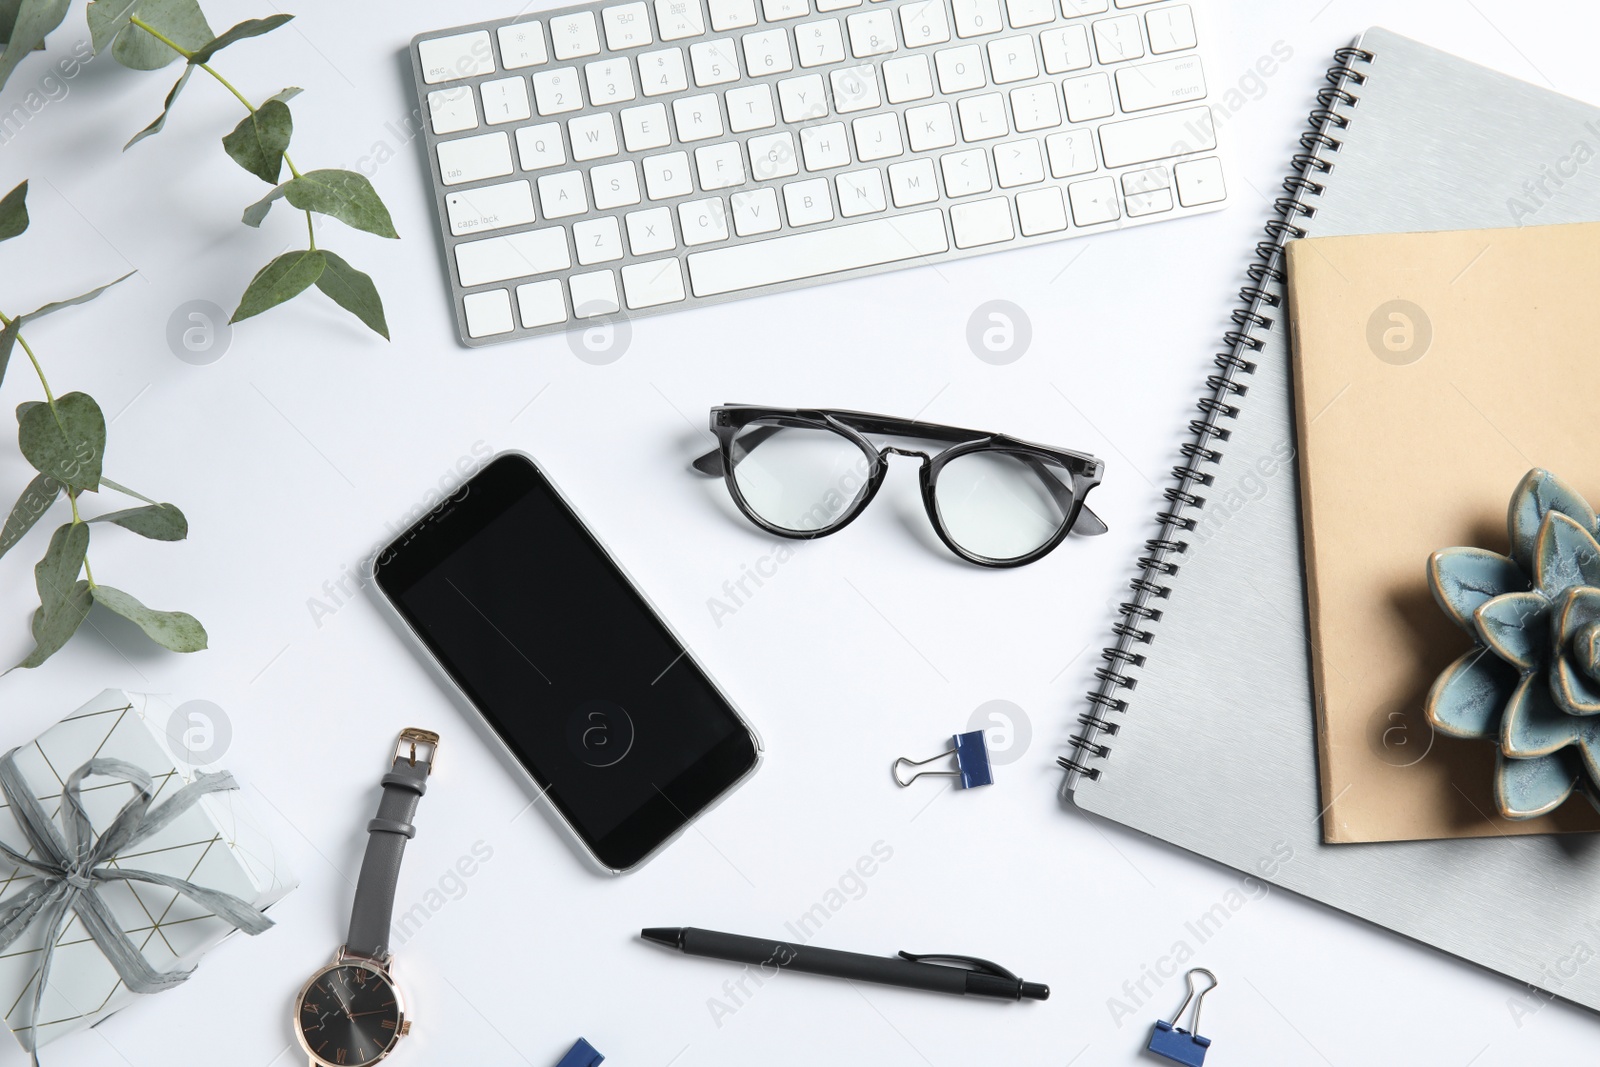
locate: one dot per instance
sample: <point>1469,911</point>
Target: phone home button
<point>600,733</point>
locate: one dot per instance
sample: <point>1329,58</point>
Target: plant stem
<point>311,232</point>
<point>77,520</point>
<point>49,397</point>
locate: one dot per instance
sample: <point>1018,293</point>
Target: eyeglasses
<point>994,500</point>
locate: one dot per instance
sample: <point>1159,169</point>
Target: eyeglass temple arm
<point>1089,524</point>
<point>711,463</point>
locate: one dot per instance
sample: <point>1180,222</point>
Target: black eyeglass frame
<point>729,419</point>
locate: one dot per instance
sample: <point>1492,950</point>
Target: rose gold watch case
<point>402,1025</point>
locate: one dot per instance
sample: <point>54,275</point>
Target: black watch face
<point>349,1015</point>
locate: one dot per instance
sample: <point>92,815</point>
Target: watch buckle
<point>411,736</point>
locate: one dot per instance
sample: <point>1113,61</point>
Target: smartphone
<point>589,690</point>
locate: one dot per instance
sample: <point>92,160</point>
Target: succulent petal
<point>1586,650</point>
<point>1463,578</point>
<point>1525,788</point>
<point>1534,725</point>
<point>1572,690</point>
<point>1469,696</point>
<point>1538,494</point>
<point>1516,628</point>
<point>1578,608</point>
<point>1566,556</point>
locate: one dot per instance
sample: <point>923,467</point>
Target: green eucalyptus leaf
<point>343,194</point>
<point>354,292</point>
<point>14,212</point>
<point>8,342</point>
<point>285,277</point>
<point>257,144</point>
<point>160,120</point>
<point>49,634</point>
<point>70,450</point>
<point>56,573</point>
<point>159,522</point>
<point>258,210</point>
<point>246,29</point>
<point>107,18</point>
<point>9,9</point>
<point>124,490</point>
<point>27,406</point>
<point>177,630</point>
<point>287,94</point>
<point>29,508</point>
<point>51,308</point>
<point>181,21</point>
<point>33,22</point>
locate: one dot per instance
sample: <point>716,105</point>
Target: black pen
<point>968,976</point>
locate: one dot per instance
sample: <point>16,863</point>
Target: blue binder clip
<point>581,1055</point>
<point>1176,1044</point>
<point>972,762</point>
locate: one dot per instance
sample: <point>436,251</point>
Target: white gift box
<point>216,844</point>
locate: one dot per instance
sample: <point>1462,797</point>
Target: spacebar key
<point>810,255</point>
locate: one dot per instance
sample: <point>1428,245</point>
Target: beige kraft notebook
<point>1432,371</point>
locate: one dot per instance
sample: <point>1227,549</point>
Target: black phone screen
<point>566,661</point>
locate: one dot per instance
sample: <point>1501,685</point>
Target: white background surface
<point>292,453</point>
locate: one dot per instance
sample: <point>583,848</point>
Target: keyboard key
<point>678,19</point>
<point>960,68</point>
<point>505,100</point>
<point>594,294</point>
<point>837,5</point>
<point>627,26</point>
<point>1088,97</point>
<point>515,255</point>
<point>1118,39</point>
<point>461,55</point>
<point>614,185</point>
<point>452,110</point>
<point>802,98</point>
<point>749,108</point>
<point>825,146</point>
<point>541,146</point>
<point>1070,153</point>
<point>597,240</point>
<point>855,88</point>
<point>860,192</point>
<point>821,252</point>
<point>819,43</point>
<point>721,166</point>
<point>644,127</point>
<point>1144,140</point>
<point>1094,201</point>
<point>561,195</point>
<point>1171,29</point>
<point>982,117</point>
<point>924,22</point>
<point>488,313</point>
<point>913,183</point>
<point>1147,180</point>
<point>610,81</point>
<point>732,14</point>
<point>773,156</point>
<point>492,207</point>
<point>703,221</point>
<point>1030,12</point>
<point>593,136</point>
<point>471,159</point>
<point>555,91</point>
<point>662,72</point>
<point>930,126</point>
<point>871,33</point>
<point>767,52</point>
<point>522,45</point>
<point>1065,49</point>
<point>1199,182</point>
<point>1034,107</point>
<point>541,303</point>
<point>754,211</point>
<point>1168,81</point>
<point>877,136</point>
<point>907,78</point>
<point>1018,163</point>
<point>1151,203</point>
<point>575,35</point>
<point>1074,8</point>
<point>983,222</point>
<point>698,117</point>
<point>778,10</point>
<point>650,231</point>
<point>667,175</point>
<point>1041,211</point>
<point>1136,3</point>
<point>974,18</point>
<point>714,62</point>
<point>806,202</point>
<point>965,173</point>
<point>652,284</point>
<point>1011,59</point>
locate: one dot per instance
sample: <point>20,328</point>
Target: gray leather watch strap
<point>387,834</point>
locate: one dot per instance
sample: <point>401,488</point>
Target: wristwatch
<point>351,1013</point>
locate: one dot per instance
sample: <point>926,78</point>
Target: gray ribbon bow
<point>69,870</point>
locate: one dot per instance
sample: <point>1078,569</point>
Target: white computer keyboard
<point>627,158</point>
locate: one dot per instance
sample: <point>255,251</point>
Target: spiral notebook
<point>1202,730</point>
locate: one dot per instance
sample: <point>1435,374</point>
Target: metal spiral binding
<point>1258,303</point>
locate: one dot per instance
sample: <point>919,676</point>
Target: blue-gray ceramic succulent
<point>1532,683</point>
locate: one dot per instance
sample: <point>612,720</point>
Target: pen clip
<point>970,963</point>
